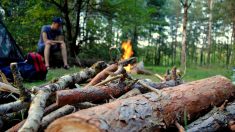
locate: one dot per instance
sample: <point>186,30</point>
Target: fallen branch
<point>67,109</point>
<point>152,89</point>
<point>8,88</point>
<point>18,80</point>
<point>109,80</point>
<point>159,77</point>
<point>37,106</point>
<point>142,112</point>
<point>102,75</point>
<point>50,108</point>
<point>13,107</point>
<point>92,93</point>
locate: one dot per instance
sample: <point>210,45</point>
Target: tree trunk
<point>184,37</point>
<point>143,112</point>
<point>210,3</point>
<point>213,120</point>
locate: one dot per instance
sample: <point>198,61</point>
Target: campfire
<point>127,53</point>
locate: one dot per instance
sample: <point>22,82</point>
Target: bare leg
<point>47,53</point>
<point>64,54</point>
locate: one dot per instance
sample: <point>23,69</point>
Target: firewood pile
<point>105,97</point>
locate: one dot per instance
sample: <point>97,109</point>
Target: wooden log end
<point>71,124</point>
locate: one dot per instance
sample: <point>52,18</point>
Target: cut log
<point>143,112</point>
<point>65,110</point>
<point>37,106</point>
<point>214,120</point>
<point>92,93</point>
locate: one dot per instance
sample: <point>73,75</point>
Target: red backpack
<point>36,60</point>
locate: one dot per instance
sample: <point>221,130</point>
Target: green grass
<point>53,74</point>
<point>193,73</point>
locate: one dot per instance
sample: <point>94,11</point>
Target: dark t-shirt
<point>51,34</point>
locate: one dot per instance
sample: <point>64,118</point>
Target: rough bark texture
<point>214,120</point>
<point>13,107</point>
<point>65,110</point>
<point>142,112</point>
<point>131,93</point>
<point>91,93</point>
<point>37,106</point>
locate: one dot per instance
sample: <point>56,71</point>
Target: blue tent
<point>9,50</point>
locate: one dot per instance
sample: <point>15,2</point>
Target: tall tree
<point>210,4</point>
<point>186,4</point>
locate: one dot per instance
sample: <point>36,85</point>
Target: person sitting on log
<point>52,40</point>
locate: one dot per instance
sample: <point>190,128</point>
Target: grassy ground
<point>193,73</point>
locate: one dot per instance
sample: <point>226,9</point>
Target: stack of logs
<point>113,100</point>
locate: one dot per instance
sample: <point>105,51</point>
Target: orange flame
<point>128,52</point>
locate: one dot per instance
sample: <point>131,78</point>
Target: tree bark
<point>98,93</point>
<point>131,93</point>
<point>37,106</point>
<point>213,120</point>
<point>143,112</point>
<point>13,107</point>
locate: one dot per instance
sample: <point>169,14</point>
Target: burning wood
<point>127,53</point>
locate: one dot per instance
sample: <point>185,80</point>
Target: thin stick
<point>149,87</point>
<point>159,77</point>
<point>24,93</point>
<point>180,127</point>
<point>222,107</point>
<point>109,80</point>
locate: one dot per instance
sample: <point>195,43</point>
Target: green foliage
<point>24,20</point>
